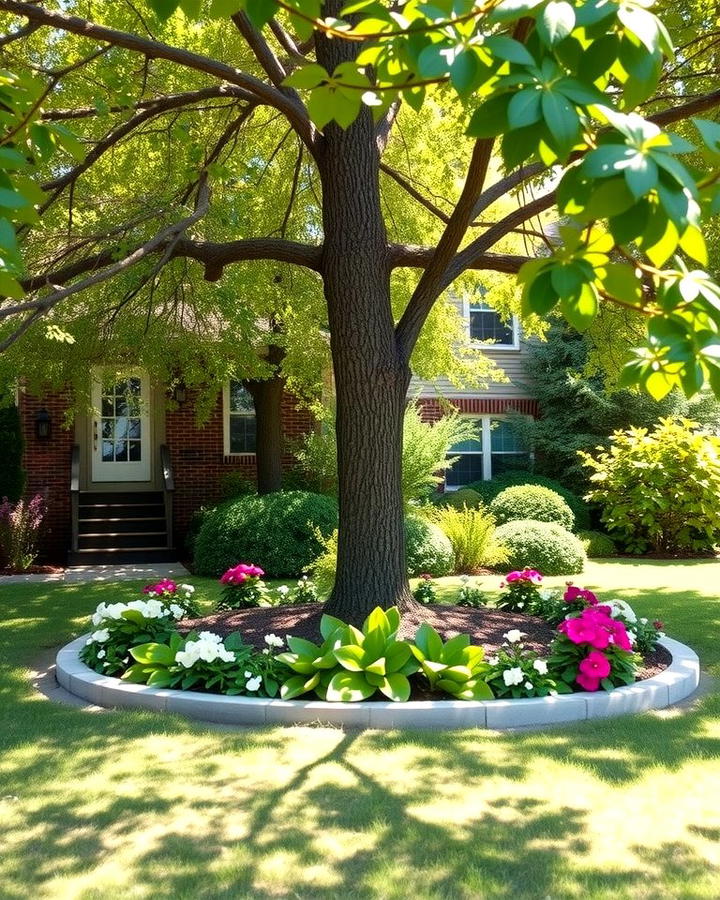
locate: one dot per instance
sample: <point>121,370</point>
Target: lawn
<point>140,805</point>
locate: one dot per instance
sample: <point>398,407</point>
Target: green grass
<point>137,805</point>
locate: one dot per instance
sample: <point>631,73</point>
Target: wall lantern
<point>43,424</point>
<point>180,394</point>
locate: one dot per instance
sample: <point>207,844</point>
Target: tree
<point>550,83</point>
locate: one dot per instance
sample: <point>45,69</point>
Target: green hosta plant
<point>351,664</point>
<point>373,660</point>
<point>456,667</point>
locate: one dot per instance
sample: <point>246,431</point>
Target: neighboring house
<point>123,484</point>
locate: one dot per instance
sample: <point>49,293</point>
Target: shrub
<point>531,501</point>
<point>489,490</point>
<point>597,544</point>
<point>235,484</point>
<point>12,477</point>
<point>471,533</point>
<point>280,530</point>
<point>464,497</point>
<point>193,530</point>
<point>19,529</point>
<point>428,549</point>
<point>659,489</point>
<point>426,591</point>
<point>544,546</point>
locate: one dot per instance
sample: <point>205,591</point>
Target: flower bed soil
<point>485,627</point>
<point>34,570</point>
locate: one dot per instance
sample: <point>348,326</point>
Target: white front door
<point>121,447</point>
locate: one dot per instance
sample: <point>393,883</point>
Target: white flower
<point>621,608</point>
<point>631,634</point>
<point>513,676</point>
<point>546,594</point>
<point>283,590</point>
<point>520,605</point>
<point>266,651</point>
<point>553,693</point>
<point>644,621</point>
<point>88,642</point>
<point>540,666</point>
<point>188,588</point>
<point>661,634</point>
<point>101,635</point>
<point>493,660</point>
<point>529,685</point>
<point>514,635</point>
<point>464,579</point>
<point>101,654</point>
<point>253,683</point>
<point>177,611</point>
<point>248,674</point>
<point>272,640</point>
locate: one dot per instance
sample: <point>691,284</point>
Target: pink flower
<point>587,682</point>
<point>426,577</point>
<point>658,625</point>
<point>531,575</point>
<point>595,664</point>
<point>240,573</point>
<point>619,635</point>
<point>166,586</point>
<point>581,631</point>
<point>573,593</point>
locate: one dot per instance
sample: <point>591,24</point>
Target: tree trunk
<point>370,379</point>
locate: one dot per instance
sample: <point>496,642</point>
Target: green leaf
<point>539,295</point>
<point>556,22</point>
<point>710,133</point>
<point>153,654</point>
<point>465,72</point>
<point>510,10</point>
<point>377,667</point>
<point>693,243</point>
<point>641,174</point>
<point>307,77</point>
<point>581,312</point>
<point>620,281</point>
<point>350,657</point>
<point>260,11</point>
<point>491,118</point>
<point>191,8</point>
<point>222,9</point>
<point>525,108</point>
<point>11,159</point>
<point>163,9</point>
<point>509,49</point>
<point>396,687</point>
<point>10,287</point>
<point>567,280</point>
<point>562,121</point>
<point>302,647</point>
<point>329,625</point>
<point>349,687</point>
<point>12,199</point>
<point>294,687</point>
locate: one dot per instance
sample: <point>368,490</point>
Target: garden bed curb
<point>672,685</point>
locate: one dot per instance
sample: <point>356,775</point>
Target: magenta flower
<point>580,631</point>
<point>426,577</point>
<point>239,573</point>
<point>573,593</point>
<point>166,586</point>
<point>619,635</point>
<point>595,664</point>
<point>531,575</point>
<point>587,682</point>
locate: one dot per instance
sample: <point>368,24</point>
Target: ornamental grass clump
<point>471,532</point>
<point>20,525</point>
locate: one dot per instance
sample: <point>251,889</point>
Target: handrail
<point>75,495</point>
<point>168,490</point>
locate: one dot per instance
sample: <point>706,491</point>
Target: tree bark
<point>267,396</point>
<point>371,380</point>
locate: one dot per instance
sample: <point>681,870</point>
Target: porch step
<point>123,527</point>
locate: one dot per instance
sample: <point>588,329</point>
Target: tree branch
<point>264,93</point>
<point>414,257</point>
<point>414,192</point>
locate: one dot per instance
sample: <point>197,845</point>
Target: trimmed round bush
<point>489,490</point>
<point>529,501</point>
<point>428,549</point>
<point>464,497</point>
<point>597,544</point>
<point>544,546</point>
<point>278,532</point>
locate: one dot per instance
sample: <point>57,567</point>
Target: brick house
<point>123,484</point>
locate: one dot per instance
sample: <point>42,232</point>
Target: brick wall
<point>433,408</point>
<point>47,464</point>
<point>198,455</point>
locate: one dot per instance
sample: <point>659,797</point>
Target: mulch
<point>485,627</point>
<point>34,570</point>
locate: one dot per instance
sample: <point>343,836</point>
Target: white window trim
<point>486,436</point>
<point>481,345</point>
<point>226,424</point>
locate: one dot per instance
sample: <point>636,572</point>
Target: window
<point>486,325</point>
<point>240,431</point>
<point>496,449</point>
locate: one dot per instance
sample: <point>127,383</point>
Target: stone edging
<point>674,684</point>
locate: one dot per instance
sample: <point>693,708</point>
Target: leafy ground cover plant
<point>515,671</point>
<point>426,590</point>
<point>120,626</point>
<point>20,525</point>
<point>455,667</point>
<point>469,595</point>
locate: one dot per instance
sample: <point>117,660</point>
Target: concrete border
<point>678,681</point>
